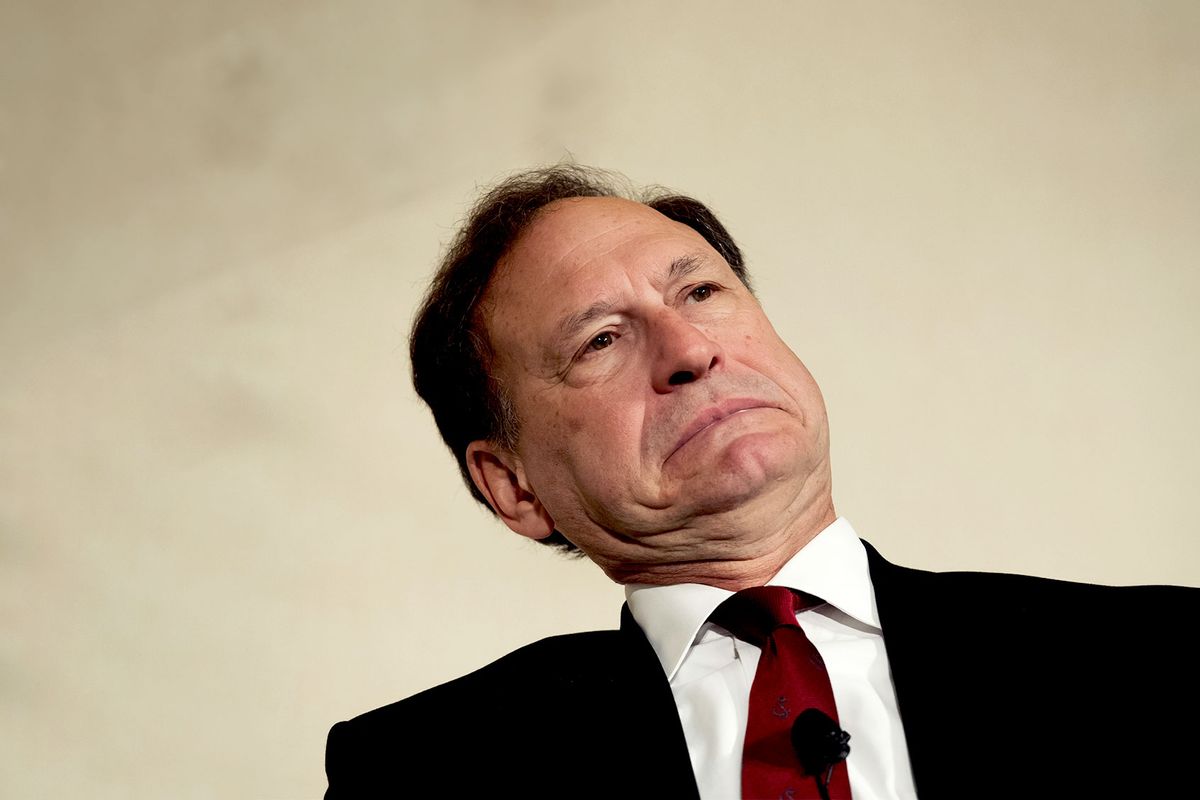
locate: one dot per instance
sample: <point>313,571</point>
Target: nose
<point>684,353</point>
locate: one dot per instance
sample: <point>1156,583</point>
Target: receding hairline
<point>503,264</point>
<point>680,265</point>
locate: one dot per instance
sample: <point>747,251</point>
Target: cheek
<point>770,356</point>
<point>556,434</point>
<point>573,424</point>
<point>595,440</point>
<point>553,424</point>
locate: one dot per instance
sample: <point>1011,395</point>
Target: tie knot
<point>754,614</point>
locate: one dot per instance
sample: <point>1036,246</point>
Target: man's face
<point>662,419</point>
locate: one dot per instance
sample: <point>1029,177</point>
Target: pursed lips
<point>711,416</point>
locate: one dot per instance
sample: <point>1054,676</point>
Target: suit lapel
<point>651,718</point>
<point>906,600</point>
<point>962,684</point>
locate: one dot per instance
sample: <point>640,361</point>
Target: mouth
<point>714,415</point>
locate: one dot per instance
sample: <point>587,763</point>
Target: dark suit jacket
<point>1009,687</point>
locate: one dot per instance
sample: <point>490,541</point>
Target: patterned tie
<point>791,678</point>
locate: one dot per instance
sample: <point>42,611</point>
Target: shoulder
<point>1070,671</point>
<point>556,713</point>
<point>1037,627</point>
<point>496,718</point>
<point>964,593</point>
<point>535,670</point>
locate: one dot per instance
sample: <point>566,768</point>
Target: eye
<point>592,347</point>
<point>702,292</point>
<point>601,341</point>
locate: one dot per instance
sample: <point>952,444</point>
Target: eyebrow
<point>570,325</point>
<point>683,266</point>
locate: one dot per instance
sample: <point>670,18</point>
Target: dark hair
<point>450,349</point>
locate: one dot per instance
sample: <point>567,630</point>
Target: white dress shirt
<point>710,671</point>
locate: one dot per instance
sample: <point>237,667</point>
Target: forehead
<point>577,253</point>
<point>571,242</point>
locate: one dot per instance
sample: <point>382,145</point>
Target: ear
<point>499,475</point>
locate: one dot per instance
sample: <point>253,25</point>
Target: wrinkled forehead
<point>571,240</point>
<point>577,226</point>
<point>568,256</point>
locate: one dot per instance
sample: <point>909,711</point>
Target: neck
<point>731,559</point>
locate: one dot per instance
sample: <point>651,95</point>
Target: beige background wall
<point>225,521</point>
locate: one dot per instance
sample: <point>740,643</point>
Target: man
<point>643,410</point>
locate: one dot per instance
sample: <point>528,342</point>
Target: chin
<point>749,468</point>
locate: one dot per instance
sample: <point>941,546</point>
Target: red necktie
<point>791,678</point>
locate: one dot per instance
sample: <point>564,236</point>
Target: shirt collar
<point>833,566</point>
